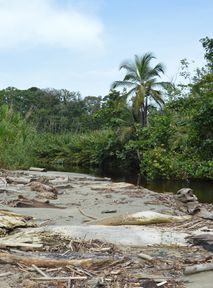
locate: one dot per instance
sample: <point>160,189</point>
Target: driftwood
<point>17,180</point>
<point>25,202</point>
<point>3,182</point>
<point>26,246</point>
<point>198,268</point>
<point>6,274</point>
<point>112,186</point>
<point>39,271</point>
<point>8,258</point>
<point>41,187</point>
<point>61,278</point>
<point>145,257</point>
<point>132,236</point>
<point>88,216</point>
<point>140,218</point>
<point>10,220</point>
<point>204,240</point>
<point>37,169</point>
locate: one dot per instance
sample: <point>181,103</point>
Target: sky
<point>79,44</point>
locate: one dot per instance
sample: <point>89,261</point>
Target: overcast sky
<point>79,44</point>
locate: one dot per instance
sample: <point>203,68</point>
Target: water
<point>203,189</point>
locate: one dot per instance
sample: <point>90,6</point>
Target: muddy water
<point>202,188</point>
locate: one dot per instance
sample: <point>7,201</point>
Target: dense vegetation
<point>158,128</point>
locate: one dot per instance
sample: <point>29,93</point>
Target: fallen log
<point>8,258</point>
<point>133,236</point>
<point>25,202</point>
<point>60,278</point>
<point>26,246</point>
<point>41,187</point>
<point>17,180</point>
<point>204,240</point>
<point>37,169</point>
<point>198,268</point>
<point>140,218</point>
<point>10,220</point>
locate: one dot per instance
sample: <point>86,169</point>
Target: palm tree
<point>141,81</point>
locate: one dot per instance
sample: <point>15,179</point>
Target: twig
<point>60,278</point>
<point>161,283</point>
<point>40,271</point>
<point>88,216</point>
<point>6,274</point>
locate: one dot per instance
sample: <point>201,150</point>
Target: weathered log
<point>140,218</point>
<point>205,240</point>
<point>198,268</point>
<point>26,246</point>
<point>25,202</point>
<point>145,257</point>
<point>10,220</point>
<point>60,278</point>
<point>8,258</point>
<point>112,186</point>
<point>37,169</point>
<point>17,180</point>
<point>40,187</point>
<point>121,235</point>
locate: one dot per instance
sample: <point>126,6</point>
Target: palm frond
<point>157,96</point>
<point>121,84</point>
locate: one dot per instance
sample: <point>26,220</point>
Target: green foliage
<point>141,81</point>
<point>175,141</point>
<point>16,140</point>
<point>88,149</point>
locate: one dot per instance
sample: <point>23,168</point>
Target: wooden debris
<point>17,180</point>
<point>112,186</point>
<point>140,218</point>
<point>39,271</point>
<point>37,169</point>
<point>108,211</point>
<point>26,246</point>
<point>10,220</point>
<point>40,187</point>
<point>205,240</point>
<point>3,182</point>
<point>8,258</point>
<point>61,278</point>
<point>145,257</point>
<point>198,268</point>
<point>161,283</point>
<point>88,216</point>
<point>25,202</point>
<point>6,274</point>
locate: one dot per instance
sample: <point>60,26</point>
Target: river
<point>203,189</point>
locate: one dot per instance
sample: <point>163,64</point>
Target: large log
<point>8,258</point>
<point>17,180</point>
<point>37,169</point>
<point>140,218</point>
<point>133,236</point>
<point>198,268</point>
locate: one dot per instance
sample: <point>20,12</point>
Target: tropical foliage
<point>124,129</point>
<point>141,81</point>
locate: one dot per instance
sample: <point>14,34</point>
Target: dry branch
<point>49,262</point>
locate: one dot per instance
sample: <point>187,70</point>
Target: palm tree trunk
<point>142,116</point>
<point>145,110</point>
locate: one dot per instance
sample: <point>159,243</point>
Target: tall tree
<point>141,82</point>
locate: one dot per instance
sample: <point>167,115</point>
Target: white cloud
<point>29,23</point>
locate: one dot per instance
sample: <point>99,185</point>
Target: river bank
<point>84,197</point>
